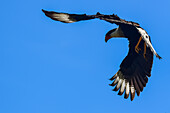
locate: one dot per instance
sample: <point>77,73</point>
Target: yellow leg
<point>136,47</point>
<point>144,54</point>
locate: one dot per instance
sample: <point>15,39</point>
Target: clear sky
<point>52,67</point>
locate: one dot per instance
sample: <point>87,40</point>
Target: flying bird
<point>136,66</point>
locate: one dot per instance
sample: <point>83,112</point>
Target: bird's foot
<point>137,49</point>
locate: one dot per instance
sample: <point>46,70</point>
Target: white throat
<point>117,33</point>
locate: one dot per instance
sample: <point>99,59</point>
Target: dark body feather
<point>136,66</point>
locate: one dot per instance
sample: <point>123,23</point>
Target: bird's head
<point>109,35</point>
<point>117,32</point>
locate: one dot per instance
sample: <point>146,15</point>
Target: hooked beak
<point>107,37</point>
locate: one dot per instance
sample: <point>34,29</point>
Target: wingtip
<point>112,78</point>
<point>120,93</point>
<point>126,95</point>
<point>132,96</point>
<point>158,56</point>
<point>44,11</point>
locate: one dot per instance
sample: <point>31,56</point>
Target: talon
<point>144,55</point>
<point>137,49</point>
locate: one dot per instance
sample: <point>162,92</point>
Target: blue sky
<point>52,67</point>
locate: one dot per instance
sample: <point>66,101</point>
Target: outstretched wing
<point>67,18</point>
<point>134,71</point>
<point>146,38</point>
<point>70,18</point>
